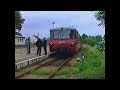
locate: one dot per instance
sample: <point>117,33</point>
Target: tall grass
<point>94,65</point>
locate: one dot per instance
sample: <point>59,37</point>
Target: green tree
<point>91,41</point>
<point>84,36</point>
<point>99,38</point>
<point>104,37</point>
<point>18,21</point>
<point>100,16</point>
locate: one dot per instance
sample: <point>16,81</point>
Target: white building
<point>33,39</point>
<point>19,40</point>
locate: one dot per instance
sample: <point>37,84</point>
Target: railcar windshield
<point>62,34</point>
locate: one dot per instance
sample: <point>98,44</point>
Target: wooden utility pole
<point>53,24</point>
<point>38,34</point>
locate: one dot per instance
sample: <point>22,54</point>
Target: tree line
<point>91,40</point>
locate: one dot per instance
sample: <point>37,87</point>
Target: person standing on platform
<point>28,45</point>
<point>45,45</point>
<point>39,46</point>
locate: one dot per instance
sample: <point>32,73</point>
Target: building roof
<point>33,38</point>
<point>18,36</point>
<point>64,28</point>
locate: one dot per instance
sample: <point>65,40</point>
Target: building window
<point>18,40</point>
<point>22,40</point>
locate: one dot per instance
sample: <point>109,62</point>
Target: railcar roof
<point>64,28</point>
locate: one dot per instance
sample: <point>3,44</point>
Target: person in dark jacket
<point>39,45</point>
<point>28,45</point>
<point>45,45</point>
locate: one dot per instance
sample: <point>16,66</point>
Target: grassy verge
<point>92,68</point>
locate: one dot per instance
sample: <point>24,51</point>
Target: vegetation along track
<point>54,62</point>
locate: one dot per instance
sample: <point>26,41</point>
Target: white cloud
<point>41,22</point>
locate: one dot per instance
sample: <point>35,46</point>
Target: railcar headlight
<point>73,42</point>
<point>51,43</point>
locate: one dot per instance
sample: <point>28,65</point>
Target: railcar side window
<point>72,34</point>
<point>77,35</point>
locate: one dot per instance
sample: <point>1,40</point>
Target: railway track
<point>26,73</point>
<point>51,61</point>
<point>59,67</point>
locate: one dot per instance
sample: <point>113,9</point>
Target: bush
<point>92,40</point>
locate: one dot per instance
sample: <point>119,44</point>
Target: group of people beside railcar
<point>40,43</point>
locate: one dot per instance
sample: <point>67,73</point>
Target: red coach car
<point>64,40</point>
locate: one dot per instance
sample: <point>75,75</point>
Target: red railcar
<point>64,40</point>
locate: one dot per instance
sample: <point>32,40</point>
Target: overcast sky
<point>41,21</point>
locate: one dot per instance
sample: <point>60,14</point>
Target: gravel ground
<point>57,62</point>
<point>31,76</point>
<point>21,53</point>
